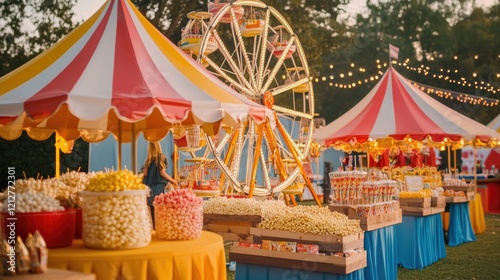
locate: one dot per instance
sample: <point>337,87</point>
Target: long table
<point>202,258</point>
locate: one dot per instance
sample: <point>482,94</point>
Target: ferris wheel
<point>252,48</point>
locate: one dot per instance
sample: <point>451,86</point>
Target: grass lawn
<point>474,260</point>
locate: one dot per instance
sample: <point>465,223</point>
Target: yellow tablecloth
<point>477,220</point>
<point>203,258</point>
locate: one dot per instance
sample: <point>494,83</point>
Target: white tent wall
<point>104,155</point>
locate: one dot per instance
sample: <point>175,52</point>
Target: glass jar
<point>179,221</point>
<point>115,220</point>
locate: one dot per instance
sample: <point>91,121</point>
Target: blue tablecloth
<point>381,254</point>
<point>420,241</point>
<point>259,272</point>
<point>460,229</point>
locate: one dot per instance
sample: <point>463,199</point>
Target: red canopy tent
<point>117,74</point>
<point>397,110</point>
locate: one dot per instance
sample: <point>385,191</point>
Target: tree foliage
<point>169,16</point>
<point>430,33</point>
<point>29,27</point>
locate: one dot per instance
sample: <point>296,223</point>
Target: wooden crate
<point>326,242</point>
<point>439,201</point>
<point>422,212</point>
<point>424,202</point>
<point>371,222</point>
<point>469,196</point>
<point>320,263</point>
<point>231,227</point>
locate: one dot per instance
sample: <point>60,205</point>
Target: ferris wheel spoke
<point>265,170</point>
<point>241,45</point>
<point>263,48</point>
<point>226,77</point>
<point>278,65</point>
<point>232,64</point>
<point>292,112</point>
<point>281,89</point>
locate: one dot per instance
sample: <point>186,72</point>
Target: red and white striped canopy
<point>117,74</point>
<point>395,108</point>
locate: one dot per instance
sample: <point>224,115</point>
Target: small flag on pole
<point>393,52</point>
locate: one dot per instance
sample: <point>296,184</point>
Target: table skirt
<point>477,220</point>
<point>460,228</point>
<point>259,272</point>
<point>202,258</point>
<point>420,241</point>
<point>381,254</point>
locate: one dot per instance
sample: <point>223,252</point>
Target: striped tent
<point>397,109</point>
<point>117,74</point>
<point>495,124</point>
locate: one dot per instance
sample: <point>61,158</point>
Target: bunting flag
<point>393,51</point>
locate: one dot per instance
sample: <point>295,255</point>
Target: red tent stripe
<point>409,117</point>
<point>362,126</point>
<point>129,98</point>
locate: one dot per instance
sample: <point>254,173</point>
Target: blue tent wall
<point>104,155</point>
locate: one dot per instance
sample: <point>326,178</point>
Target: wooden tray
<point>328,264</point>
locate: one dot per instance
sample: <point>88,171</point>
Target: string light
<point>462,81</point>
<point>440,73</point>
<point>459,96</point>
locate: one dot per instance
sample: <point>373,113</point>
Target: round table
<point>202,258</point>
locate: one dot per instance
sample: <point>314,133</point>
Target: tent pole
<point>449,158</point>
<point>368,157</point>
<point>119,145</point>
<point>134,150</point>
<point>475,169</point>
<point>455,161</point>
<point>176,161</point>
<point>58,156</point>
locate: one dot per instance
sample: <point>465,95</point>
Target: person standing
<point>155,174</point>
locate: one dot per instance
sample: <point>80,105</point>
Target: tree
<point>29,27</point>
<point>169,16</point>
<point>426,32</point>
